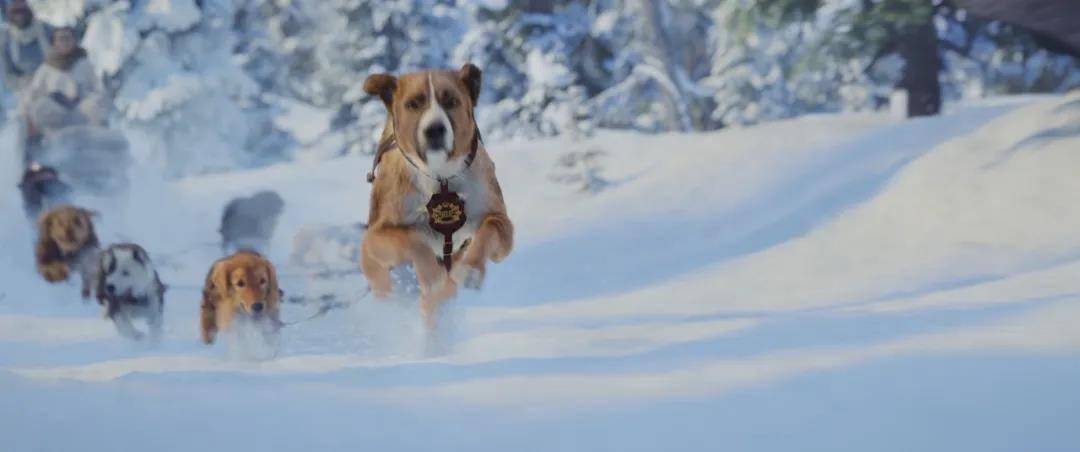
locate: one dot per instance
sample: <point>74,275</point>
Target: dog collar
<point>392,143</point>
<point>446,210</point>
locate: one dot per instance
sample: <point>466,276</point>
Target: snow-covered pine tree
<point>178,93</point>
<point>987,58</point>
<point>768,63</point>
<point>654,55</point>
<point>323,51</point>
<point>202,79</point>
<point>809,55</point>
<point>528,53</point>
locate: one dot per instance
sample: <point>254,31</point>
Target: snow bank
<point>830,269</point>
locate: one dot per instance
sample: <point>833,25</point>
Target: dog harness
<point>446,210</point>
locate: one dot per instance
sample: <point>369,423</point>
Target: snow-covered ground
<point>835,282</point>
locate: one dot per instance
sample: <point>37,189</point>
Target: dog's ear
<point>208,311</point>
<point>273,292</point>
<point>382,85</point>
<point>108,263</point>
<point>141,257</point>
<point>471,76</point>
<point>217,282</point>
<point>44,222</point>
<point>46,249</point>
<point>88,217</point>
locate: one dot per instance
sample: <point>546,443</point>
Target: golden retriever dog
<point>244,284</point>
<point>66,241</point>
<point>435,201</point>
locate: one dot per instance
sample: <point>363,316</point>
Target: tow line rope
<point>327,307</point>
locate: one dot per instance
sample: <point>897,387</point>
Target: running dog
<point>66,241</point>
<point>244,284</point>
<point>129,288</point>
<point>435,202</point>
<point>248,223</point>
<point>41,189</point>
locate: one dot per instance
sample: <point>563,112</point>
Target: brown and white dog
<point>243,284</point>
<point>128,288</point>
<point>66,241</point>
<point>431,137</point>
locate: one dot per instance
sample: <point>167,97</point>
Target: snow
<point>107,41</point>
<point>545,72</point>
<point>61,12</point>
<point>835,281</point>
<point>493,5</point>
<point>304,122</point>
<point>168,15</point>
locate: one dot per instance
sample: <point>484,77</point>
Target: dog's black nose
<point>435,133</point>
<point>257,307</point>
<point>111,289</point>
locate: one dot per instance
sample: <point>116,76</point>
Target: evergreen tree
<point>528,55</point>
<point>177,91</point>
<point>204,80</point>
<point>768,63</point>
<point>656,57</point>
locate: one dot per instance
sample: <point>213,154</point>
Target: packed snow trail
<point>835,281</point>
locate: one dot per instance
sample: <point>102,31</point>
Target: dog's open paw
<point>54,272</point>
<point>474,279</point>
<point>468,277</point>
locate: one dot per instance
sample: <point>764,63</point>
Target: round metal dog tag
<point>446,211</point>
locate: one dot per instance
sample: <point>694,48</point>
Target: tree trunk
<point>922,64</point>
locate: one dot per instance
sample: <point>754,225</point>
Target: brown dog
<point>430,159</point>
<point>242,284</point>
<point>66,240</point>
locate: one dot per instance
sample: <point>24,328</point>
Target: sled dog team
<point>435,204</point>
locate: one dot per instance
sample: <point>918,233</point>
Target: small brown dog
<point>243,284</point>
<point>66,240</point>
<point>435,201</point>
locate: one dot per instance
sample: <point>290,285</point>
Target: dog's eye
<point>415,103</point>
<point>262,281</point>
<point>239,283</point>
<point>449,102</point>
<point>124,273</point>
<point>77,222</point>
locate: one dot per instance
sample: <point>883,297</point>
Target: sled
<point>75,160</point>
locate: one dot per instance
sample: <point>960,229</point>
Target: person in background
<point>65,91</point>
<point>23,45</point>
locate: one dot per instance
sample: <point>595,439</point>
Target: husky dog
<point>248,223</point>
<point>128,288</point>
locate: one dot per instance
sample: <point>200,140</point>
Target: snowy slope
<point>839,281</point>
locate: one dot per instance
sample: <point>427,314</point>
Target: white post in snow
<point>898,101</point>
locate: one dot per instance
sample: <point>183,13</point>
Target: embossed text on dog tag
<point>446,214</point>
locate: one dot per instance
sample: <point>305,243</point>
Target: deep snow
<point>849,282</point>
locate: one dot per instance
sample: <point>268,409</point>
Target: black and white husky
<point>128,288</point>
